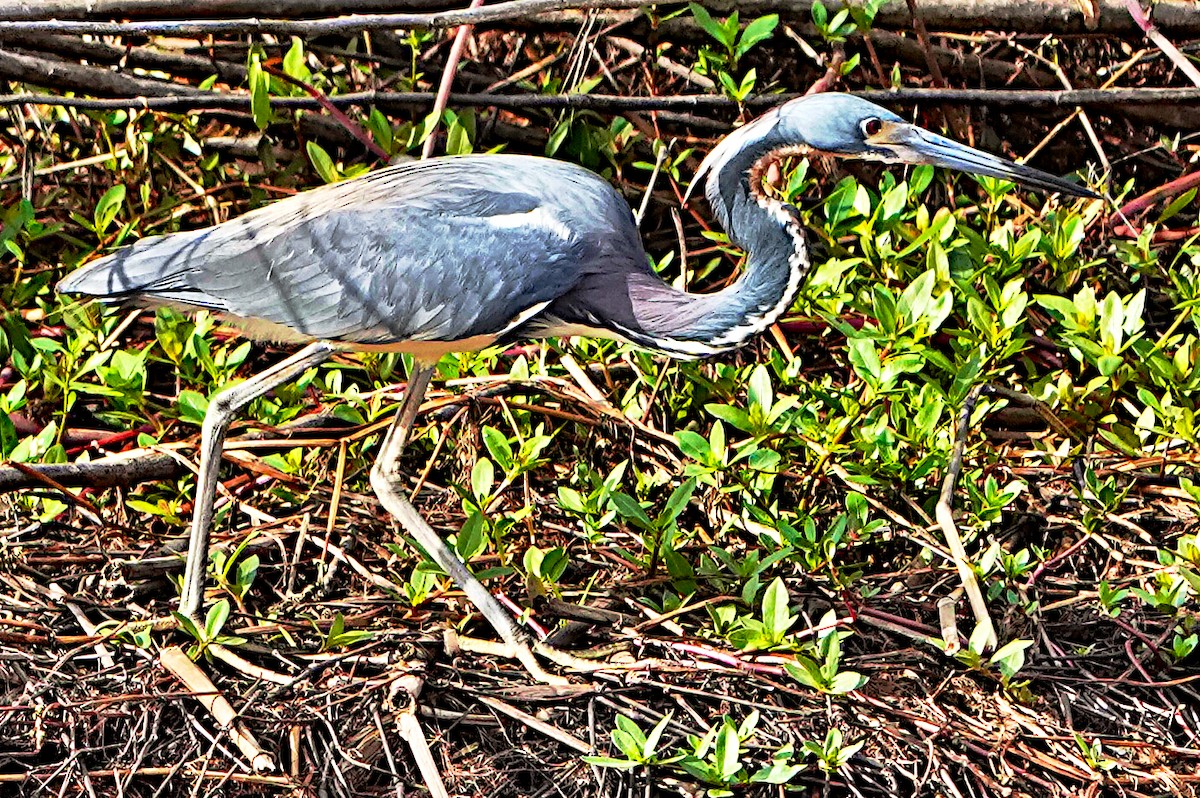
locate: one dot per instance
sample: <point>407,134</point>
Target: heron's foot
<point>527,654</point>
<point>578,664</point>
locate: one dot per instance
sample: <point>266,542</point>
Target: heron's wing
<point>407,254</point>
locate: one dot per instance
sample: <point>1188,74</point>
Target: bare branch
<point>1028,98</point>
<point>500,12</point>
<point>1041,17</point>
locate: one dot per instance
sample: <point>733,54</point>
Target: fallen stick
<point>204,691</point>
<point>945,518</point>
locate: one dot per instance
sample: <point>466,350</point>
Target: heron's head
<point>850,127</point>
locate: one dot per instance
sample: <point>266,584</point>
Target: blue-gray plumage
<point>459,253</point>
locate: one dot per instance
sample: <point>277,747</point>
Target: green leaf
<point>108,207</point>
<point>728,83</point>
<point>336,626</point>
<point>630,510</point>
<point>1010,657</point>
<point>1112,321</point>
<point>776,618</point>
<point>759,389</point>
<point>916,298</point>
<point>734,416</point>
<point>558,136</point>
<point>247,570</point>
<point>293,62</point>
<point>694,446</point>
<point>498,447</point>
<point>978,641</point>
<point>865,359</point>
<point>380,128</point>
<point>609,762</point>
<point>758,30</point>
<point>846,682</point>
<point>214,622</point>
<point>571,499</point>
<point>806,671</point>
<point>819,14</point>
<point>192,407</point>
<point>716,443</point>
<point>679,499</point>
<point>483,478</point>
<point>707,23</point>
<point>1108,364</point>
<point>460,132</point>
<point>893,201</point>
<point>260,92</point>
<point>1176,205</point>
<point>655,735</point>
<point>627,744</point>
<point>728,752</point>
<point>322,162</point>
<point>188,625</point>
<point>553,564</point>
<point>470,542</point>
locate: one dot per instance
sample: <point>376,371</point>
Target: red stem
<point>352,127</point>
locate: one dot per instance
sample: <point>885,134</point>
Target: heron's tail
<point>155,270</point>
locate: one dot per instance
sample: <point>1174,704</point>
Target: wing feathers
<point>439,250</point>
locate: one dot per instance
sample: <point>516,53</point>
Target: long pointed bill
<point>912,144</point>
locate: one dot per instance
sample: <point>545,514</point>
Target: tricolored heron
<point>460,253</point>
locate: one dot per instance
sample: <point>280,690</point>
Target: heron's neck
<point>776,265</point>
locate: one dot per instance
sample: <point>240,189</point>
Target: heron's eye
<point>872,126</point>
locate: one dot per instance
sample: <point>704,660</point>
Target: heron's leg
<point>386,480</point>
<point>221,410</point>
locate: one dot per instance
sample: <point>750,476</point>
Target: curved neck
<point>777,262</point>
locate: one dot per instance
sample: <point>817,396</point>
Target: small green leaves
<point>1100,332</point>
<point>738,90</point>
<point>734,45</point>
<point>546,566</point>
<point>638,747</point>
<point>725,33</point>
<point>460,132</point>
<point>758,30</point>
<point>107,208</point>
<point>498,447</point>
<point>1010,657</point>
<point>824,673</point>
<point>831,754</point>
<point>210,632</point>
<point>192,407</point>
<point>471,540</point>
<point>294,62</point>
<point>776,618</point>
<point>321,162</point>
<point>339,637</point>
<point>260,90</point>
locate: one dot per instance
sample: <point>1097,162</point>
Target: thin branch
<point>1028,98</point>
<point>174,63</point>
<point>443,92</point>
<point>931,61</point>
<point>352,127</point>
<point>1042,17</point>
<point>167,9</point>
<point>1170,50</point>
<point>110,472</point>
<point>356,23</point>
